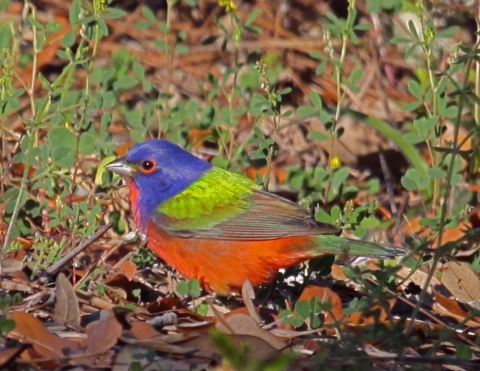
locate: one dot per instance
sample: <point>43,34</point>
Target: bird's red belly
<point>223,266</point>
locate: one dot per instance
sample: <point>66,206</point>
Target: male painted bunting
<point>220,227</point>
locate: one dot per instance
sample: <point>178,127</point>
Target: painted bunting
<point>220,227</point>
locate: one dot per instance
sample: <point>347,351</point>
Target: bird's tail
<point>338,245</point>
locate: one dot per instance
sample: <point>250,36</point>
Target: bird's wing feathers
<point>234,211</point>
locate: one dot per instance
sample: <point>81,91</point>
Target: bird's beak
<point>121,167</point>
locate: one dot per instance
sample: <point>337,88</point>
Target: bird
<point>220,227</point>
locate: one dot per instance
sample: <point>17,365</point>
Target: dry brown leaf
<point>165,304</point>
<point>103,334</point>
<point>241,324</point>
<point>248,295</point>
<point>451,234</point>
<point>128,269</point>
<point>338,273</point>
<point>6,355</point>
<point>21,276</point>
<point>279,173</point>
<point>10,265</point>
<point>326,295</point>
<point>418,278</point>
<point>257,347</point>
<point>449,307</point>
<point>66,309</point>
<point>144,331</point>
<point>9,285</point>
<point>460,279</point>
<point>30,330</point>
<point>378,314</point>
<point>267,315</point>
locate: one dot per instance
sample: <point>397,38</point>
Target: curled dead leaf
<point>451,308</point>
<point>7,355</point>
<point>66,309</point>
<point>460,279</point>
<point>103,334</point>
<point>32,331</point>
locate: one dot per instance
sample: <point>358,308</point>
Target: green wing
<point>224,205</point>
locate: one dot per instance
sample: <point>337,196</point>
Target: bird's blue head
<point>157,170</point>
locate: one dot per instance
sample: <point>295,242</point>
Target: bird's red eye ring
<point>148,166</point>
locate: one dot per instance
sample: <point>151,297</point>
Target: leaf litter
<point>77,323</point>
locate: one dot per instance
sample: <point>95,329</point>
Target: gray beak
<point>121,167</point>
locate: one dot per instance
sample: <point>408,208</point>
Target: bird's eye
<point>148,166</point>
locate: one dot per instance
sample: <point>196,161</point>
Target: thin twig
<point>55,267</point>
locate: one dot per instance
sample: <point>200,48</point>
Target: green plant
<point>47,192</point>
<point>190,288</point>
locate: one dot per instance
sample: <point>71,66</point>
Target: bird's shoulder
<point>215,189</point>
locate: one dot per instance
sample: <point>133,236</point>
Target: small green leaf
<point>415,89</point>
<point>69,39</point>
<point>148,13</point>
<point>448,33</point>
<point>363,27</point>
<point>464,351</point>
<point>408,183</point>
<point>194,288</point>
<point>339,177</point>
<point>413,138</point>
<point>316,100</point>
<point>305,111</point>
<point>138,70</point>
<point>411,106</point>
<point>86,144</point>
<point>352,307</point>
<point>114,13</point>
<point>317,135</point>
<point>253,16</point>
<point>182,49</point>
<point>125,82</point>
<point>320,68</point>
<point>284,314</point>
<point>63,156</point>
<point>6,325</point>
<point>412,28</point>
<point>220,162</point>
<point>323,217</point>
<point>74,13</point>
<point>142,25</point>
<point>302,308</point>
<point>317,55</point>
<point>436,173</point>
<point>400,40</point>
<point>182,288</point>
<point>373,186</point>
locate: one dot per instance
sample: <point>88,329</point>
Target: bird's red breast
<point>223,266</point>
